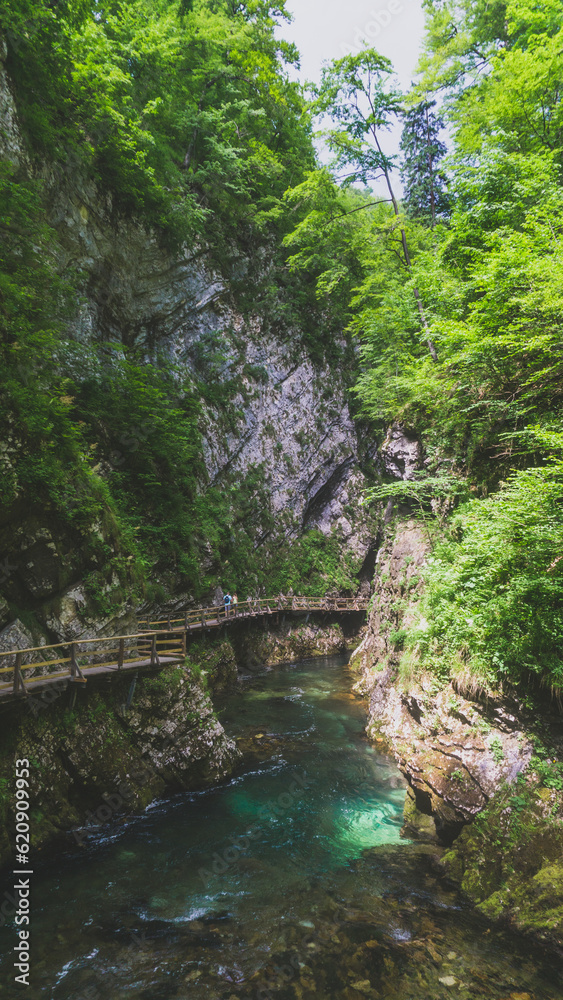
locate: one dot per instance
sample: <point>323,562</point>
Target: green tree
<point>184,118</point>
<point>492,610</point>
<point>355,93</point>
<point>424,183</point>
<point>490,410</point>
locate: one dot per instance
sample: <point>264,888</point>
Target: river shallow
<point>290,880</point>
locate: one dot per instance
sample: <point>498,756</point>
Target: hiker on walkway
<point>235,603</point>
<point>227,603</point>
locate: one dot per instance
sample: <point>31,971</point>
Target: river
<point>290,880</point>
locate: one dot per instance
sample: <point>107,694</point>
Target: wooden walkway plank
<point>148,648</point>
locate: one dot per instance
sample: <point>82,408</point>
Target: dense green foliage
<point>184,118</point>
<point>492,606</point>
<point>182,111</point>
<point>509,860</point>
<point>483,286</point>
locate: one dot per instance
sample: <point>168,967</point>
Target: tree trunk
<point>431,171</point>
<point>408,263</point>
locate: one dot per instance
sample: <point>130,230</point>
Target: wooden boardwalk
<point>24,672</point>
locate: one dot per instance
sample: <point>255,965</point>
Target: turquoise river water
<point>290,880</point>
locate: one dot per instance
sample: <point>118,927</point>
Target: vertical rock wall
<point>455,752</point>
<point>283,415</point>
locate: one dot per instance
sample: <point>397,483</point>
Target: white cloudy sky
<point>328,29</point>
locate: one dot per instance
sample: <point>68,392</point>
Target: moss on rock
<point>509,860</point>
<point>216,657</point>
<point>417,823</point>
<point>113,753</point>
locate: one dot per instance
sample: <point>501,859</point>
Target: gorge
<point>229,368</point>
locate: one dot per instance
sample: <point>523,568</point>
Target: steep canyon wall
<point>268,410</point>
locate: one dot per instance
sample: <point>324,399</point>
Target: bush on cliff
<point>487,278</point>
<point>492,609</point>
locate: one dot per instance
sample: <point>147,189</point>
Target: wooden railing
<point>218,614</point>
<point>159,642</point>
<point>85,656</point>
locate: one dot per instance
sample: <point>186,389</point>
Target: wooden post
<point>121,654</point>
<point>132,687</point>
<point>184,643</point>
<point>19,686</point>
<point>203,618</point>
<point>186,626</point>
<point>154,655</point>
<point>75,671</point>
<point>169,624</point>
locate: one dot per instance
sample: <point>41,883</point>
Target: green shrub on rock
<point>492,610</point>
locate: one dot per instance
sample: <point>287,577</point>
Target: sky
<point>329,29</point>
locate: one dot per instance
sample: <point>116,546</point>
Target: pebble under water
<point>290,880</point>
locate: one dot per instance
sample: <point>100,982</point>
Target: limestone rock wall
<point>292,640</point>
<point>116,751</point>
<point>11,142</point>
<point>466,761</point>
<point>455,752</point>
<point>289,416</point>
<point>286,415</point>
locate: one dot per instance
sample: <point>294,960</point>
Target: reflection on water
<point>290,881</point>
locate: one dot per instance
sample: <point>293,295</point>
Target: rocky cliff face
<point>290,417</point>
<point>121,747</point>
<point>284,415</point>
<point>454,752</point>
<point>473,780</point>
<point>11,141</point>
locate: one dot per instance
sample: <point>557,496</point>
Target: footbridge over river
<point>24,672</point>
